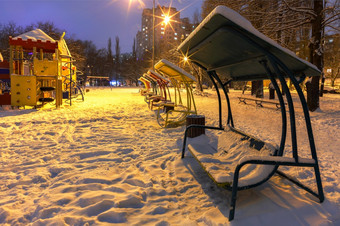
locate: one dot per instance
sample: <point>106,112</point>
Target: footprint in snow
<point>130,202</point>
<point>112,217</point>
<point>163,223</point>
<point>87,200</point>
<point>98,208</point>
<point>158,210</point>
<point>49,212</point>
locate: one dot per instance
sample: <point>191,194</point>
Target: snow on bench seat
<point>233,148</point>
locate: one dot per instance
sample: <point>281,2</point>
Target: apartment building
<point>168,34</point>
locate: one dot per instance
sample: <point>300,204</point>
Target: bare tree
<point>117,60</point>
<point>109,60</point>
<point>295,24</point>
<point>332,57</point>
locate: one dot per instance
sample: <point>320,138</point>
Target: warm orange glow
<point>166,20</point>
<point>184,60</point>
<point>140,2</point>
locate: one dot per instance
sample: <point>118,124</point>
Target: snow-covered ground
<point>106,160</point>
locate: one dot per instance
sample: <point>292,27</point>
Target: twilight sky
<point>95,20</point>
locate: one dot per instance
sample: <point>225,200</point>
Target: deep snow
<point>106,160</point>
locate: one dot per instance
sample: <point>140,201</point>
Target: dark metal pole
<point>211,75</point>
<point>230,116</point>
<point>282,105</point>
<point>70,81</point>
<point>153,35</point>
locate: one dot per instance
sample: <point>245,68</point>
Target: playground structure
<point>5,97</point>
<point>176,112</point>
<point>152,89</point>
<point>40,70</point>
<point>229,48</point>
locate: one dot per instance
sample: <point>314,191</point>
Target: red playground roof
<point>36,38</point>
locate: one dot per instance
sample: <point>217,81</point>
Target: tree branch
<point>301,10</point>
<point>331,19</point>
<point>335,28</point>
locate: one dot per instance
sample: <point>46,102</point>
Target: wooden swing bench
<point>259,101</point>
<point>229,48</point>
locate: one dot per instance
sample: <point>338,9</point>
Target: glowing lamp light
<point>185,59</point>
<point>166,19</point>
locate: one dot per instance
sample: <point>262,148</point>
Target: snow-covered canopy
<point>158,75</point>
<point>35,35</point>
<point>227,43</point>
<point>35,39</point>
<point>173,71</point>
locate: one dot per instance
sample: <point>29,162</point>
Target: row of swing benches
<point>170,111</point>
<point>229,48</point>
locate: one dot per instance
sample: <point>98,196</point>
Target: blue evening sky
<point>95,20</point>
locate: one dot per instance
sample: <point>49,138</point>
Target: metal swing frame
<point>163,88</point>
<point>275,69</point>
<point>179,107</point>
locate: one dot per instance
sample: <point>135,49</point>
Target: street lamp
<point>153,35</point>
<point>166,21</point>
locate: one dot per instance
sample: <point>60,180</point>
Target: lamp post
<point>153,35</point>
<point>167,20</point>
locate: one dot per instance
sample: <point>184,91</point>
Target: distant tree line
<point>89,60</point>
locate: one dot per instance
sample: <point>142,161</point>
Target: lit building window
<point>175,38</point>
<point>162,32</point>
<point>162,28</point>
<point>175,33</point>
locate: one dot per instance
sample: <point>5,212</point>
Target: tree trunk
<point>199,76</point>
<point>200,87</point>
<point>257,88</point>
<point>322,85</point>
<point>316,56</point>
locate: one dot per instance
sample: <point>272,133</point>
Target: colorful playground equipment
<point>147,86</point>
<point>40,70</point>
<point>229,48</point>
<point>176,112</point>
<point>5,97</point>
<point>71,88</point>
<point>156,92</point>
<point>165,97</point>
